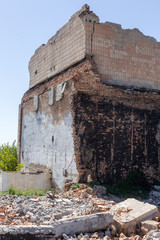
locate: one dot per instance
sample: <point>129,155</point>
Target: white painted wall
<point>49,144</point>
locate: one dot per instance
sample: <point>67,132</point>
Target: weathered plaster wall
<point>124,57</point>
<point>46,133</point>
<point>112,138</point>
<point>49,144</point>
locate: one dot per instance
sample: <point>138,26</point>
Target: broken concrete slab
<point>129,213</point>
<point>26,232</point>
<point>90,223</point>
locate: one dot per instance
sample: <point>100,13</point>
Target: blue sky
<point>25,25</point>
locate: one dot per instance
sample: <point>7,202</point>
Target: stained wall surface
<point>113,139</point>
<point>46,132</point>
<point>116,130</point>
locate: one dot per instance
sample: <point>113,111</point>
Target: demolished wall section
<point>63,50</point>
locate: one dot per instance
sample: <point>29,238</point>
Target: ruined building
<point>93,104</point>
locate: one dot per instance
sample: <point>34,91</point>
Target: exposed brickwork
<point>45,135</point>
<point>112,139</point>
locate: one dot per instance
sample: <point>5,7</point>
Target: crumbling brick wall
<point>45,126</point>
<point>107,121</point>
<point>112,139</point>
<point>112,130</point>
<point>116,130</point>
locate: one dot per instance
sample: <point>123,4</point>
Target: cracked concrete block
<point>90,223</point>
<point>129,213</point>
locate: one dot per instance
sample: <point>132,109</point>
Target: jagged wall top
<point>123,57</point>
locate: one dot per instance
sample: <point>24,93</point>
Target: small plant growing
<point>8,158</point>
<point>14,191</point>
<point>53,190</point>
<point>75,186</point>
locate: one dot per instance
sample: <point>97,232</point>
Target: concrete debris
<point>131,212</point>
<point>82,213</point>
<point>22,210</point>
<point>152,235</point>
<point>99,190</point>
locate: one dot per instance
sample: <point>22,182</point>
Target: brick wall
<point>45,127</point>
<point>116,130</point>
<point>112,139</point>
<point>98,129</point>
<point>62,50</point>
<point>65,48</point>
<point>124,57</point>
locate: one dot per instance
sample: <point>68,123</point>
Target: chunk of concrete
<point>89,223</point>
<point>129,213</point>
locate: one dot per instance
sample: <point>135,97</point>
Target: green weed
<point>27,192</point>
<point>75,186</point>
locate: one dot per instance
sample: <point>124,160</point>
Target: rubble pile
<point>130,219</point>
<point>20,210</point>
